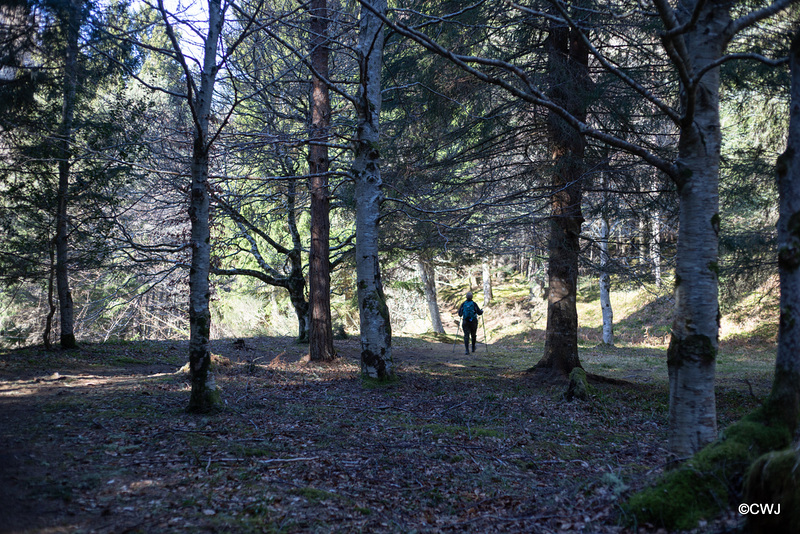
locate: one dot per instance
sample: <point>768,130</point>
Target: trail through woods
<point>96,440</point>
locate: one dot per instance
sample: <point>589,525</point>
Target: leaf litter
<point>95,442</point>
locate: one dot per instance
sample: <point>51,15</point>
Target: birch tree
<point>605,275</point>
<point>199,96</point>
<point>746,448</point>
<point>376,333</point>
<point>427,274</point>
<point>694,35</point>
<point>487,282</point>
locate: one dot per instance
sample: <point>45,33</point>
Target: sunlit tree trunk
<point>376,332</point>
<point>427,274</point>
<point>655,246</point>
<point>319,276</point>
<point>487,282</point>
<point>568,67</point>
<point>695,330</point>
<point>65,135</point>
<point>605,282</point>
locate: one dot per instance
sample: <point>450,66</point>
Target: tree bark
<point>568,64</point>
<point>605,281</point>
<point>487,283</point>
<point>296,283</point>
<point>784,399</point>
<point>65,134</point>
<point>376,332</point>
<point>655,246</point>
<point>48,321</point>
<point>319,277</point>
<point>693,346</point>
<point>427,274</point>
<point>204,395</point>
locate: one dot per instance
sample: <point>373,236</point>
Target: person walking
<point>470,311</point>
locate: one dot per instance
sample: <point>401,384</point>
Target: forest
<point>236,239</point>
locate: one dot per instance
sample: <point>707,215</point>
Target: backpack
<point>469,310</point>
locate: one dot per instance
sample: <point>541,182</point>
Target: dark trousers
<point>470,329</point>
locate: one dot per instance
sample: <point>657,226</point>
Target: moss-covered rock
<point>774,479</point>
<point>711,481</point>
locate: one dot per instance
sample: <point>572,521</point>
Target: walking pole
<point>485,339</point>
<point>458,329</point>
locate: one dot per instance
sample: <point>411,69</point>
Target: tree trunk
<point>376,332</point>
<point>319,277</point>
<point>655,246</point>
<point>693,347</point>
<point>48,321</point>
<point>568,64</point>
<point>785,396</point>
<point>66,308</point>
<point>487,283</point>
<point>297,283</point>
<point>605,283</point>
<point>427,274</point>
<point>642,248</point>
<point>204,395</point>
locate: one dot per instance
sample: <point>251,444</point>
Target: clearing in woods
<point>96,440</point>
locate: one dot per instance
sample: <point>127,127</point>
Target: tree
<point>713,478</point>
<point>569,87</point>
<point>64,141</point>
<point>199,96</point>
<point>321,336</point>
<point>427,275</point>
<point>605,275</point>
<point>487,282</point>
<point>695,36</point>
<point>785,396</point>
<point>65,136</point>
<point>376,331</point>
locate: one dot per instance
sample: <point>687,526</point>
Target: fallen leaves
<point>304,448</point>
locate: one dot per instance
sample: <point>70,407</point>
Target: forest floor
<point>96,439</point>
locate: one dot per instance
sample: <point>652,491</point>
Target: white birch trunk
<point>694,343</point>
<point>376,333</point>
<point>605,284</point>
<point>487,283</point>
<point>427,274</point>
<point>204,395</point>
<point>642,245</point>
<point>655,246</point>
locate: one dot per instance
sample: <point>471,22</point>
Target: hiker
<point>470,311</point>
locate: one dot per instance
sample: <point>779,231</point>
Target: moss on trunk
<point>774,479</point>
<point>578,385</point>
<point>712,480</point>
